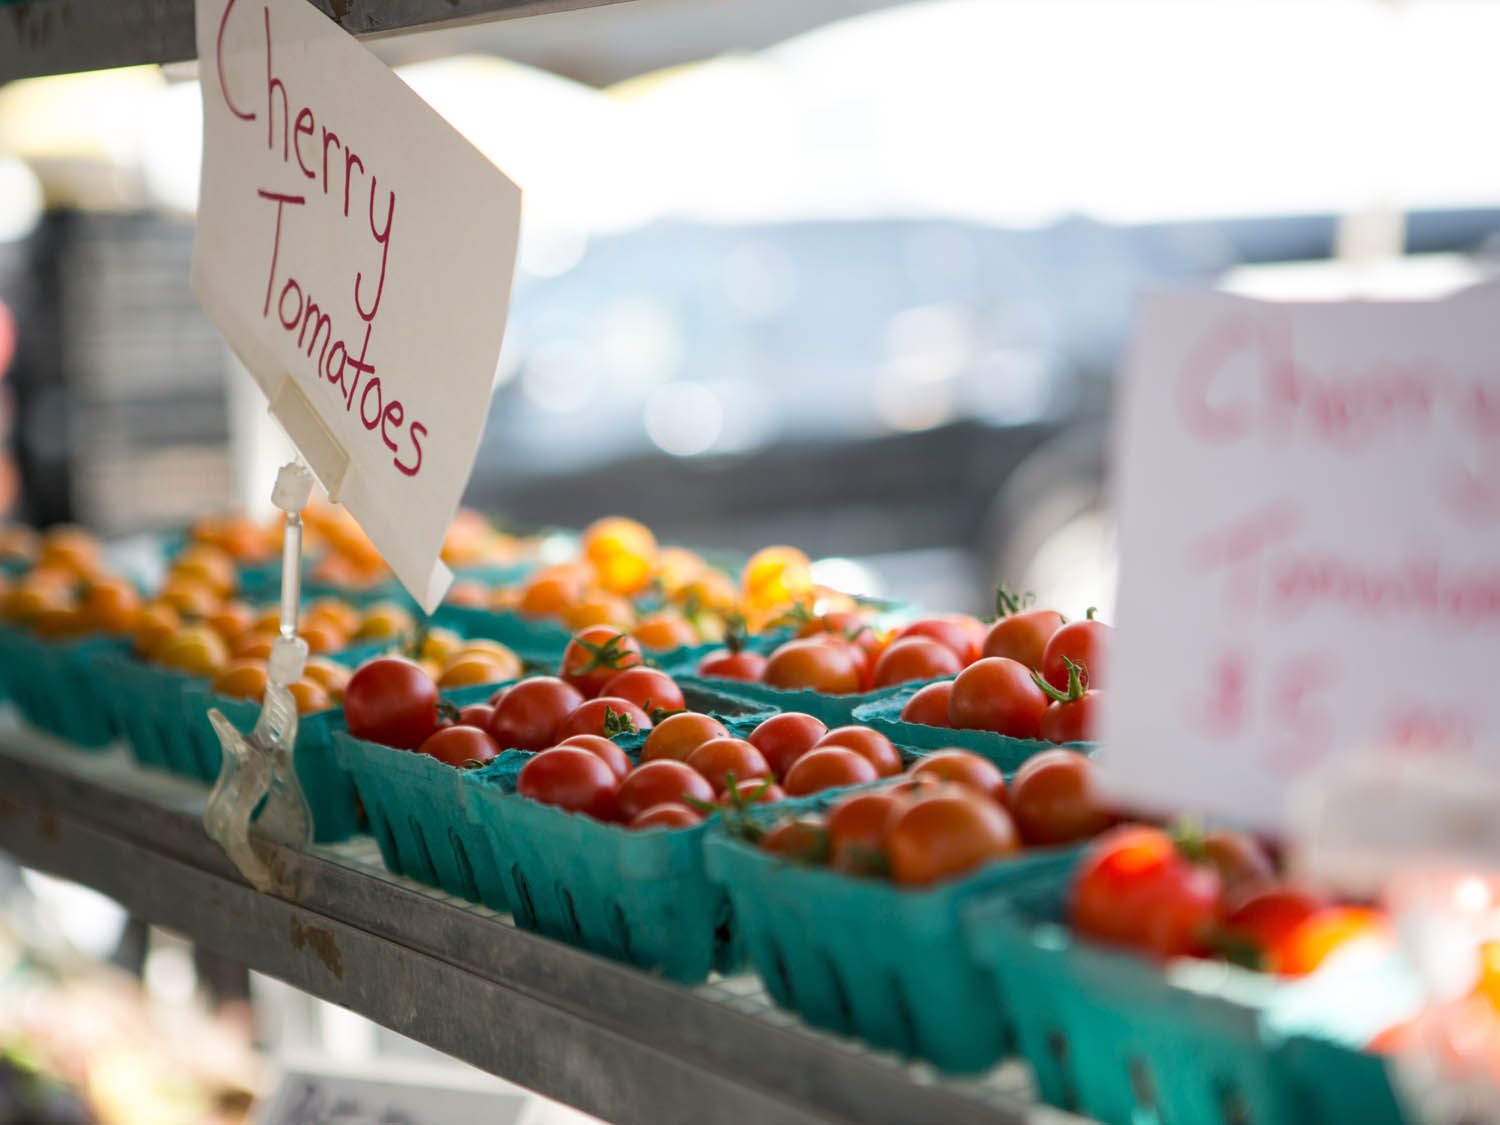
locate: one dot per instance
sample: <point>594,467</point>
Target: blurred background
<point>847,274</point>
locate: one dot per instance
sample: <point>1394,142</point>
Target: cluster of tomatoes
<point>1187,894</point>
<point>1037,676</point>
<point>949,814</point>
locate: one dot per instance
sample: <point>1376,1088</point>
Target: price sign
<point>1309,501</point>
<point>357,253</point>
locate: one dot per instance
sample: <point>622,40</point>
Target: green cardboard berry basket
<point>866,958</point>
<point>642,897</point>
<point>1008,753</point>
<point>415,807</point>
<point>54,686</point>
<point>147,703</point>
<point>1124,1039</point>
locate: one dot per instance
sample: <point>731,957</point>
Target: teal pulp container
<point>1125,1040</point>
<point>1008,753</point>
<point>866,958</point>
<point>640,897</point>
<point>416,812</point>
<point>54,686</point>
<point>148,708</point>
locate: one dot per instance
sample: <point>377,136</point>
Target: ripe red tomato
<point>997,694</point>
<point>815,663</point>
<point>528,715</point>
<point>605,716</point>
<point>677,736</point>
<point>871,744</point>
<point>648,688</point>
<point>1263,923</point>
<point>570,778</point>
<point>459,745</point>
<point>914,658</point>
<point>784,738</point>
<point>827,768</point>
<point>660,782</point>
<point>1326,931</point>
<point>752,791</point>
<point>726,664</point>
<point>391,701</point>
<point>1023,636</point>
<point>929,706</point>
<point>965,768</point>
<point>960,633</point>
<point>669,814</point>
<point>1055,800</point>
<point>946,835</point>
<point>476,715</point>
<point>602,748</point>
<point>596,655</point>
<point>857,829</point>
<point>719,759</point>
<point>1085,643</point>
<point>1134,887</point>
<point>799,839</point>
<point>1072,720</point>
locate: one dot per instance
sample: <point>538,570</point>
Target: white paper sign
<point>357,253</point>
<point>1309,543</point>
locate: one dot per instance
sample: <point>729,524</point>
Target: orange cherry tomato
<point>814,663</point>
<point>870,744</point>
<point>929,706</point>
<point>241,679</point>
<point>962,767</point>
<point>677,736</point>
<point>947,835</point>
<point>721,759</point>
<point>915,658</point>
<point>828,768</point>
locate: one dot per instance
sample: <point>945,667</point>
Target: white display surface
<point>357,253</point>
<point>1309,542</point>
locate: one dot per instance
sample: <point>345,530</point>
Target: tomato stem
<point>617,722</point>
<point>1077,677</point>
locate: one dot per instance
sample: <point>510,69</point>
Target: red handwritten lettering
<point>417,430</point>
<point>383,237</point>
<point>242,114</point>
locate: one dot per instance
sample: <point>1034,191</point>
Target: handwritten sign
<point>317,1092</point>
<point>357,253</point>
<point>1309,540</point>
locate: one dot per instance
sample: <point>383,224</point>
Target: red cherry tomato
<point>871,744</point>
<point>817,664</point>
<point>602,748</point>
<point>997,694</point>
<point>605,716</point>
<point>1134,887</point>
<point>596,655</point>
<point>1072,720</point>
<point>721,758</point>
<point>648,688</point>
<point>477,715</point>
<point>963,767</point>
<point>660,782</point>
<point>828,768</point>
<point>570,778</point>
<point>799,839</point>
<point>960,633</point>
<point>677,736</point>
<point>1085,643</point>
<point>1023,636</point>
<point>857,829</point>
<point>914,658</point>
<point>391,701</point>
<point>1243,864</point>
<point>726,664</point>
<point>669,814</point>
<point>946,835</point>
<point>528,715</point>
<point>752,791</point>
<point>1055,800</point>
<point>459,745</point>
<point>929,706</point>
<point>1261,926</point>
<point>784,738</point>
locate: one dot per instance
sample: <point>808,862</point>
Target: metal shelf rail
<point>61,36</point>
<point>603,1037</point>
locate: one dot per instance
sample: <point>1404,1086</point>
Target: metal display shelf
<point>608,1039</point>
<point>60,36</point>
